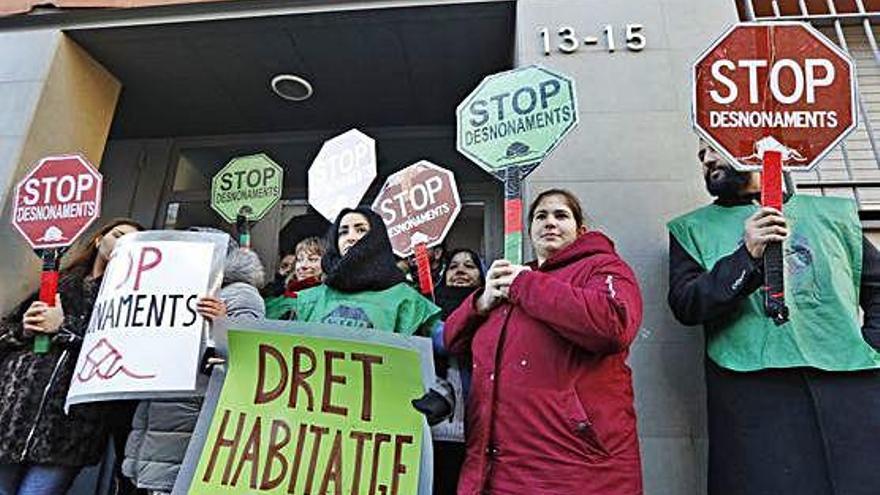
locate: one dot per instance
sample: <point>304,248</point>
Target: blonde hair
<point>310,245</point>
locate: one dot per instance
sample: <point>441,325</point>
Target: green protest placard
<point>305,413</point>
<point>508,124</point>
<point>248,186</point>
<point>516,118</point>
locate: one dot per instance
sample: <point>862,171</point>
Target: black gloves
<point>438,404</point>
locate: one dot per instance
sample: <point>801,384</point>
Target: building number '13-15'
<point>569,41</point>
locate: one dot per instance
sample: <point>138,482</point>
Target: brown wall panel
<point>73,114</point>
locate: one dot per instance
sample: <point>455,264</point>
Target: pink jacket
<point>551,403</point>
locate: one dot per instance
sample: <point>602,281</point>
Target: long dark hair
<point>86,252</point>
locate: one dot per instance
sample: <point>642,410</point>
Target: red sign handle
<point>48,288</point>
<point>423,264</point>
<point>513,222</point>
<point>771,180</point>
<point>774,267</point>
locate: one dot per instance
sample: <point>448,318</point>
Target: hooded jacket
<point>551,402</point>
<point>161,429</point>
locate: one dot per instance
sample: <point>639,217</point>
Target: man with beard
<point>792,408</point>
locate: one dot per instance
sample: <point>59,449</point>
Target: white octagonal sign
<point>342,172</point>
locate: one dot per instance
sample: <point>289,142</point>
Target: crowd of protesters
<point>533,393</point>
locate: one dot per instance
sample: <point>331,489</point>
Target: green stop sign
<point>247,185</point>
<point>516,117</point>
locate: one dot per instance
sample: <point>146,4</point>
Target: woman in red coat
<point>551,404</point>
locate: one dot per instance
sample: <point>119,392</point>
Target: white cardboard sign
<point>145,337</point>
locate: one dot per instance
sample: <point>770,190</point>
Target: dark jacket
<point>551,405</point>
<point>33,387</point>
<point>749,450</point>
<point>697,296</point>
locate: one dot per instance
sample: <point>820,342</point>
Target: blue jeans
<point>35,479</point>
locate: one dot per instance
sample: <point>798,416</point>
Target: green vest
<point>823,267</point>
<point>398,309</point>
<point>277,306</point>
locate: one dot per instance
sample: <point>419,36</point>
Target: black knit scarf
<point>369,265</point>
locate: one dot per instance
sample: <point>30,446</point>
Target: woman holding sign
<point>162,428</point>
<point>464,274</point>
<point>551,402</point>
<point>305,274</point>
<point>41,447</point>
<point>364,288</point>
<point>362,285</point>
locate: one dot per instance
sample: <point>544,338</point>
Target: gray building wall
<point>25,59</point>
<point>631,159</point>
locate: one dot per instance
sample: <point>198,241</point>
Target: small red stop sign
<point>57,201</point>
<point>774,86</point>
<point>418,205</point>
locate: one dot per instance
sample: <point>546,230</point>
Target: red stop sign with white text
<point>57,201</point>
<point>774,86</point>
<point>418,205</point>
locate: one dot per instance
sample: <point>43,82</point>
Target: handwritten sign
<point>304,412</point>
<point>144,336</point>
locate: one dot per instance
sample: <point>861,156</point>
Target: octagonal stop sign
<point>341,173</point>
<point>516,118</point>
<point>418,205</point>
<point>248,186</point>
<point>779,86</point>
<point>56,201</point>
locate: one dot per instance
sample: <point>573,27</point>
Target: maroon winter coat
<point>550,410</point>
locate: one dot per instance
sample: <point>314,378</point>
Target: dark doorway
<point>203,89</point>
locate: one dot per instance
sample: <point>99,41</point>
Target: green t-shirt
<point>398,309</point>
<point>823,266</point>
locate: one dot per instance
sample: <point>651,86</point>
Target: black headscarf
<point>450,298</point>
<point>368,265</point>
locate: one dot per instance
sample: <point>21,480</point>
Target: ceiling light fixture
<point>291,87</point>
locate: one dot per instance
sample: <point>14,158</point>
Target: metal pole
<point>863,109</point>
<point>841,39</point>
<point>802,5</point>
<point>750,10</point>
<point>869,32</point>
